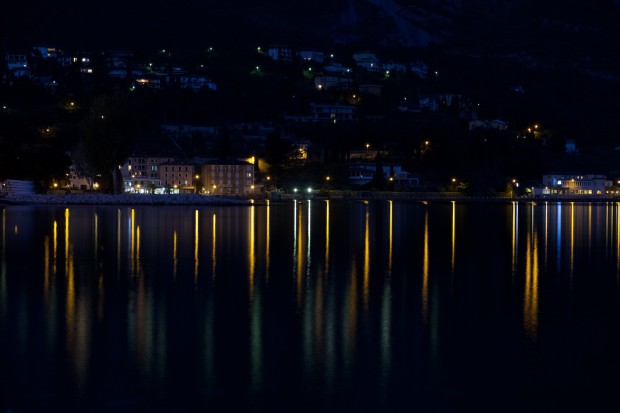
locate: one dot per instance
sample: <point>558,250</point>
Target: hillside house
<point>312,56</point>
<point>328,82</point>
<point>333,113</point>
<point>280,53</point>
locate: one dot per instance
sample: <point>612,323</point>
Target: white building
<point>573,185</point>
<point>333,113</point>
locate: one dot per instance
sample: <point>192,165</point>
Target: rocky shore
<point>120,199</point>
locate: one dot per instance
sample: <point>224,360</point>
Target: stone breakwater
<point>120,199</point>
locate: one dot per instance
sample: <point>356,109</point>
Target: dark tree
<point>108,132</point>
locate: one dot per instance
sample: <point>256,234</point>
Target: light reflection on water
<point>314,303</point>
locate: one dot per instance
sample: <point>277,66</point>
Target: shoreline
<point>218,200</point>
<point>120,199</point>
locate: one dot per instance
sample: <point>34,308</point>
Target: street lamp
<point>197,177</point>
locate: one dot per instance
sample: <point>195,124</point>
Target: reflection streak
<point>309,238</point>
<point>572,238</point>
<point>391,238</point>
<point>118,242</point>
<point>174,254</point>
<point>3,271</point>
<point>268,243</point>
<point>453,233</point>
<point>251,255</point>
<point>366,270</point>
<point>213,247</point>
<point>515,220</point>
<point>55,247</point>
<point>425,271</point>
<point>196,241</point>
<point>530,301</point>
<point>618,238</point>
<point>326,236</point>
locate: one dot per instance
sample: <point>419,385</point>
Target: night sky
<point>197,23</point>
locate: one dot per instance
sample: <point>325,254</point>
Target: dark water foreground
<point>310,306</point>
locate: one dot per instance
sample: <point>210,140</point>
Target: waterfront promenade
<point>195,199</point>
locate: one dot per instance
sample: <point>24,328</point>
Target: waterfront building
<point>589,184</point>
<point>228,177</point>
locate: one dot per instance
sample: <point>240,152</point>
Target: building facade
<point>591,184</point>
<point>228,178</point>
<point>141,173</point>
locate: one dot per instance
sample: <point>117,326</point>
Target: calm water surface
<point>310,306</point>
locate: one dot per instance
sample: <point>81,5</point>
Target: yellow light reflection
<point>174,254</point>
<point>213,247</point>
<point>366,270</point>
<point>299,258</point>
<point>425,271</point>
<point>294,230</point>
<point>572,238</point>
<point>607,230</point>
<point>590,227</point>
<point>132,254</point>
<point>3,270</point>
<point>514,237</point>
<point>46,268</point>
<point>70,292</point>
<point>268,243</point>
<point>326,236</point>
<point>546,230</point>
<point>530,299</point>
<point>138,269</point>
<point>196,240</point>
<point>55,246</point>
<point>453,234</point>
<point>618,238</point>
<point>251,255</point>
